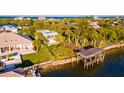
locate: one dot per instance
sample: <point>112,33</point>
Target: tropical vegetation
<point>73,31</point>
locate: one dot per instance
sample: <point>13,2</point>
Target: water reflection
<point>113,65</point>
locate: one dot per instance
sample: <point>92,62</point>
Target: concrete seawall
<point>113,46</point>
<point>50,64</point>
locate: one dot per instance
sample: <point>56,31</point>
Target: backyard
<point>54,52</point>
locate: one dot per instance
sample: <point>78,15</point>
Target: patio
<point>22,52</point>
<point>11,59</point>
<point>11,43</point>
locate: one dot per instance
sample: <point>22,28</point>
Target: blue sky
<point>61,7</point>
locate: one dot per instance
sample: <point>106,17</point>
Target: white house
<point>41,18</point>
<point>19,18</point>
<point>95,17</point>
<point>11,46</point>
<point>12,42</point>
<point>50,35</point>
<point>9,28</point>
<point>94,24</point>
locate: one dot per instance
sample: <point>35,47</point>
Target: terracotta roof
<point>10,39</point>
<point>11,74</point>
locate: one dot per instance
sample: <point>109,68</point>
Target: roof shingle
<point>10,39</point>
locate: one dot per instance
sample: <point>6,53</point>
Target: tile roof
<point>10,39</point>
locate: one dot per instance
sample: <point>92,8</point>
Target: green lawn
<point>52,53</point>
<point>30,59</point>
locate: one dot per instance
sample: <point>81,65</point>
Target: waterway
<point>113,66</point>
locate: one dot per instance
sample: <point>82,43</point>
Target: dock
<point>91,56</point>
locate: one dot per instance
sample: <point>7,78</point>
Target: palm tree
<point>39,40</point>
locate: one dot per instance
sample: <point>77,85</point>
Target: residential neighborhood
<point>61,46</point>
<point>38,46</point>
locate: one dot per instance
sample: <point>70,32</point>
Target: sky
<point>61,7</point>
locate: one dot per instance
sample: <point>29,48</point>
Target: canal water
<point>113,66</point>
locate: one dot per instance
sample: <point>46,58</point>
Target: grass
<point>45,54</point>
<point>30,59</point>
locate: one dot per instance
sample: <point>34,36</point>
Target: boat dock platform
<point>91,56</point>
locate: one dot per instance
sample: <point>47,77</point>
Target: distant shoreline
<point>62,16</point>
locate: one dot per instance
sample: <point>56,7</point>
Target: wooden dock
<point>91,56</point>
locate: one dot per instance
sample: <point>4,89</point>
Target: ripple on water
<point>113,65</point>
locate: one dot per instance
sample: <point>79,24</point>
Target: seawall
<point>51,64</point>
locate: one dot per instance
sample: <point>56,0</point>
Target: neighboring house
<point>50,35</point>
<point>12,42</point>
<point>121,20</point>
<point>51,19</point>
<point>114,23</point>
<point>19,18</point>
<point>25,27</point>
<point>9,28</point>
<point>94,24</point>
<point>19,27</point>
<point>95,17</point>
<point>41,18</point>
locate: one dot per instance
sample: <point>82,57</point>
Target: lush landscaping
<point>61,52</point>
<point>43,55</point>
<point>54,52</point>
<point>75,31</point>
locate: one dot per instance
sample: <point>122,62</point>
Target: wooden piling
<point>92,56</point>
